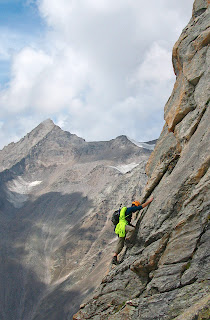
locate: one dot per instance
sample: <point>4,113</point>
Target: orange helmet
<point>136,203</point>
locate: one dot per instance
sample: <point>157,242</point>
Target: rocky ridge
<point>165,275</point>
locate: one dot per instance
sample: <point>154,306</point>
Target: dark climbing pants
<point>129,230</point>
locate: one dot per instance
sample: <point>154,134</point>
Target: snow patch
<point>124,168</point>
<point>34,183</point>
<point>18,190</point>
<point>142,144</point>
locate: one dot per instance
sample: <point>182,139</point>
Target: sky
<point>97,68</point>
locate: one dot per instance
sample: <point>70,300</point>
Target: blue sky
<point>21,19</point>
<point>21,14</point>
<point>97,68</point>
<point>17,12</point>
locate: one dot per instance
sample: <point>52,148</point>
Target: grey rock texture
<point>165,275</point>
<point>57,194</point>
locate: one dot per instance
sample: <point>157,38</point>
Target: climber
<point>124,228</point>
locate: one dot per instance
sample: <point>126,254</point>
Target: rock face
<point>165,275</point>
<point>57,193</point>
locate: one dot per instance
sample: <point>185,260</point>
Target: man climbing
<point>124,229</point>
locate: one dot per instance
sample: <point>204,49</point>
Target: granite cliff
<point>165,275</point>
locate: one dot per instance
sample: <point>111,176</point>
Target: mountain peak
<point>122,138</point>
<point>14,152</point>
<point>48,121</point>
<point>47,124</point>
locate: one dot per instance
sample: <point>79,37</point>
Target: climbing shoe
<point>114,260</point>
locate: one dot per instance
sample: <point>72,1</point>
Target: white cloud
<point>156,65</point>
<point>103,70</point>
<point>27,69</point>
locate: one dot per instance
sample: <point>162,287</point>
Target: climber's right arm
<point>147,202</point>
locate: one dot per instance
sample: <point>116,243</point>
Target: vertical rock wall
<point>165,275</point>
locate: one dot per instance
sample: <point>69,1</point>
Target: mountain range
<point>57,195</point>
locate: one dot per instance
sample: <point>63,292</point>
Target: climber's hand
<point>151,199</point>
